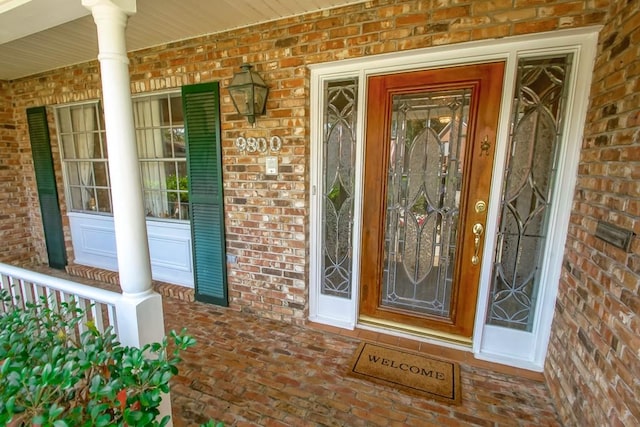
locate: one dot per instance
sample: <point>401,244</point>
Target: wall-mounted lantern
<point>249,93</point>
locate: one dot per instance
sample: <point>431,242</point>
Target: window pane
<point>177,118</point>
<point>528,190</point>
<point>64,119</point>
<point>148,123</point>
<point>82,136</point>
<point>103,201</point>
<point>85,172</point>
<point>161,148</point>
<point>76,199</point>
<point>167,141</point>
<point>68,147</point>
<point>179,146</point>
<point>155,204</point>
<point>100,174</point>
<point>102,146</point>
<point>154,183</point>
<point>339,142</point>
<point>182,170</point>
<point>165,119</point>
<point>170,168</point>
<point>177,192</point>
<point>73,175</point>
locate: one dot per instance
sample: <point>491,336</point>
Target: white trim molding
<point>94,245</point>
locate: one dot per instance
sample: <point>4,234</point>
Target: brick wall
<point>267,219</point>
<point>14,212</point>
<point>593,364</point>
<point>71,84</point>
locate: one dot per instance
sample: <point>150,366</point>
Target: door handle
<point>477,229</point>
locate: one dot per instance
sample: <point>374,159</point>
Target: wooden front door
<point>430,141</point>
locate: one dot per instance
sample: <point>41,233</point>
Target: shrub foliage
<point>52,375</point>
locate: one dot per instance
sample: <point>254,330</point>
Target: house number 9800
<point>253,145</point>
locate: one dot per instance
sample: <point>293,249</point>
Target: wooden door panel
<point>481,85</point>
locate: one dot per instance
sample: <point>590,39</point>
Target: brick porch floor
<point>248,371</point>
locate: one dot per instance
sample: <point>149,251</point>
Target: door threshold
<point>425,334</point>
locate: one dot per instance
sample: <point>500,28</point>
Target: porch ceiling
<point>40,35</point>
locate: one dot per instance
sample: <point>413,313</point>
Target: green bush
<point>52,376</point>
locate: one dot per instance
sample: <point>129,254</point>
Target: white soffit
<point>40,35</point>
<point>20,18</point>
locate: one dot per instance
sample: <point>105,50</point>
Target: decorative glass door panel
<point>428,133</point>
<point>539,110</point>
<point>338,187</point>
<point>428,162</point>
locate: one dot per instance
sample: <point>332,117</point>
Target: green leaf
<point>103,420</point>
<point>46,373</point>
<point>37,360</point>
<point>107,390</point>
<point>10,404</point>
<point>133,417</point>
<point>38,419</point>
<point>55,410</point>
<point>166,376</point>
<point>6,365</point>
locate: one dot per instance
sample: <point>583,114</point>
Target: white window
<point>159,126</point>
<point>161,148</point>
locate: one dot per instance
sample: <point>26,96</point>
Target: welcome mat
<point>404,370</point>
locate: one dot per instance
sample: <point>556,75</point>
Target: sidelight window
<point>539,109</point>
<point>339,144</point>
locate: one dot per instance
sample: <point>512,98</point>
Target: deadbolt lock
<point>481,206</point>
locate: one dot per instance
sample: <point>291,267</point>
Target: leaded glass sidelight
<point>538,112</point>
<point>428,134</point>
<point>339,143</point>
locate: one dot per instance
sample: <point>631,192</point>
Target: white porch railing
<point>136,320</point>
<point>99,305</point>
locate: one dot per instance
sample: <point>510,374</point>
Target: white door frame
<point>501,345</point>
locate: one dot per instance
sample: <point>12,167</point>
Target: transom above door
<point>441,183</point>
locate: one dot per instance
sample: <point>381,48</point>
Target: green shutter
<point>204,165</point>
<point>46,184</point>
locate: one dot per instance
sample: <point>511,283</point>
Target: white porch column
<point>139,313</point>
<point>132,246</point>
<point>140,316</point>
